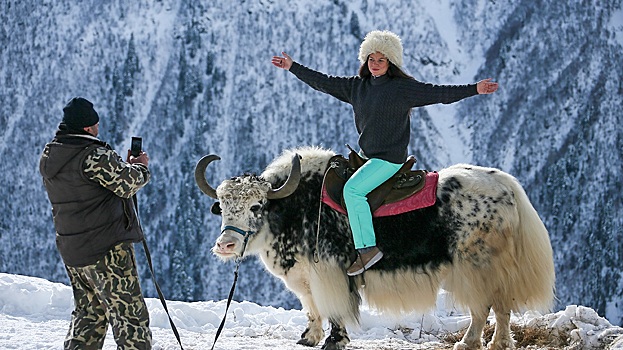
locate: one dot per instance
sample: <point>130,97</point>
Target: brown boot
<point>365,258</point>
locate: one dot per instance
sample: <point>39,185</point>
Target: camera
<point>137,146</point>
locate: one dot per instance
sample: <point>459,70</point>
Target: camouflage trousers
<point>108,291</point>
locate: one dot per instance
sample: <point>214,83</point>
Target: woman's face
<point>378,64</point>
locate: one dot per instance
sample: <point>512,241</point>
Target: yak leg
<point>338,338</point>
<point>472,339</point>
<point>502,336</point>
<point>298,282</point>
<point>314,332</point>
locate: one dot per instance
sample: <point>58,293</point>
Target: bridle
<point>246,235</point>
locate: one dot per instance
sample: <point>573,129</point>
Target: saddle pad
<point>422,199</point>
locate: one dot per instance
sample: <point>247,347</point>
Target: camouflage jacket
<point>90,188</point>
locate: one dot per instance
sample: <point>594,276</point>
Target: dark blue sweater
<point>382,106</point>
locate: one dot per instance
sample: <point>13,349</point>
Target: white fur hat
<point>385,42</point>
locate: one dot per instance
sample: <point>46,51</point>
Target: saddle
<point>405,183</point>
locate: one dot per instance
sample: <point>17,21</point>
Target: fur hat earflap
<point>385,42</point>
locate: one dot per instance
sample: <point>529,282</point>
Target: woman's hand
<point>284,62</point>
<point>486,86</point>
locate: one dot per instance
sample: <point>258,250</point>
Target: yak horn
<point>200,175</point>
<point>291,183</point>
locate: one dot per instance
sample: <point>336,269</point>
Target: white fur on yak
<point>482,241</point>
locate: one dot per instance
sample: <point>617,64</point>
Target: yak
<point>482,241</point>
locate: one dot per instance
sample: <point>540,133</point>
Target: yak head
<point>241,202</point>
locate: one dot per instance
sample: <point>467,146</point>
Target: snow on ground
<point>34,314</point>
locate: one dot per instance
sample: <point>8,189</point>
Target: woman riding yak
<point>382,96</point>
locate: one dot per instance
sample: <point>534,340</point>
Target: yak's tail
<point>536,278</point>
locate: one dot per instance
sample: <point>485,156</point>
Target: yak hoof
<point>506,344</point>
<point>464,346</point>
<point>310,338</point>
<point>331,346</point>
<point>333,343</point>
<point>306,342</point>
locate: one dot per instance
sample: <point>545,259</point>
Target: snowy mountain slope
<point>194,78</point>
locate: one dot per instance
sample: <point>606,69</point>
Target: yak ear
<point>216,208</point>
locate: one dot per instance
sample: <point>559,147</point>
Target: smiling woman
<point>382,96</point>
<point>378,64</point>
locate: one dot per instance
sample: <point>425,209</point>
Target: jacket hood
<point>60,151</point>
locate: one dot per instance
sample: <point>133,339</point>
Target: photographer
<point>90,188</point>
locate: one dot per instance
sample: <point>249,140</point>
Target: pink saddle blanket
<point>424,198</point>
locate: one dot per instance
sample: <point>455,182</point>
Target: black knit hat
<point>79,113</point>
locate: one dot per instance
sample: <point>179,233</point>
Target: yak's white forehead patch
<point>243,187</point>
<point>239,193</point>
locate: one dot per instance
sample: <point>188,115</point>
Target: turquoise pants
<point>372,174</point>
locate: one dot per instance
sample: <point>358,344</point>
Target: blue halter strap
<point>236,229</point>
<point>246,235</point>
